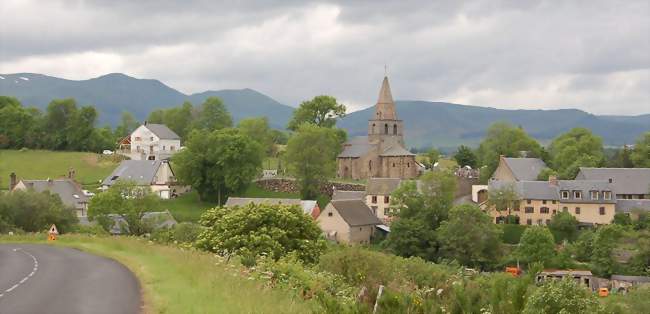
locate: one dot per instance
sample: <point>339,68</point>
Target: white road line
<point>22,281</point>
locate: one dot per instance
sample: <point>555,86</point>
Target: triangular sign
<point>53,230</point>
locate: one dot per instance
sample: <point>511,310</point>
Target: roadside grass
<point>175,280</point>
<point>90,168</point>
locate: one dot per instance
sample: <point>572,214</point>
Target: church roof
<point>385,108</point>
<point>396,150</point>
<point>356,147</point>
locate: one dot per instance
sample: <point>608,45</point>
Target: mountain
<point>114,93</point>
<point>447,125</point>
<point>443,125</point>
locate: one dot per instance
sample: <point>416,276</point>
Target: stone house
<point>150,142</point>
<point>156,174</point>
<point>309,207</point>
<point>629,183</point>
<point>348,221</point>
<point>382,152</point>
<point>378,194</point>
<point>67,189</point>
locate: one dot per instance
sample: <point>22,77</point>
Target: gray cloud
<point>592,55</point>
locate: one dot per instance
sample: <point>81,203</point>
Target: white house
<point>156,174</point>
<point>150,142</point>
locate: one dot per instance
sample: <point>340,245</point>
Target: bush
<point>92,229</point>
<point>512,233</point>
<point>36,212</point>
<point>562,296</point>
<point>186,232</point>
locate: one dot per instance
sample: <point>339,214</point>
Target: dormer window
<point>565,195</point>
<point>577,194</point>
<point>151,138</point>
<point>137,138</point>
<point>607,195</point>
<point>594,195</point>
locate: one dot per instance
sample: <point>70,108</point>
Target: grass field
<point>183,281</point>
<point>42,164</point>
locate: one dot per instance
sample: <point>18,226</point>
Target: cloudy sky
<point>592,55</point>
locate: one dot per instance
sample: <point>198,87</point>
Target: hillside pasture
<point>90,168</point>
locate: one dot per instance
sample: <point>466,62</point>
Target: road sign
<point>52,233</point>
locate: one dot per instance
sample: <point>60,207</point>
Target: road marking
<point>22,281</point>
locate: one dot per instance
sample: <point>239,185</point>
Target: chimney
<point>552,180</point>
<point>12,181</point>
<point>145,122</point>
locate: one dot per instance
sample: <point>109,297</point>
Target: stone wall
<point>290,186</point>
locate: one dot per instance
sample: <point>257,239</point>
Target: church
<point>382,153</point>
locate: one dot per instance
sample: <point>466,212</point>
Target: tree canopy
<point>218,163</point>
<point>321,111</point>
<point>212,116</point>
<point>564,226</point>
<point>574,149</point>
<point>464,156</point>
<point>536,246</point>
<point>35,212</point>
<point>641,154</point>
<point>127,200</point>
<point>258,130</point>
<point>260,229</point>
<point>432,157</point>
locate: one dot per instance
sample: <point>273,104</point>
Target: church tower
<point>384,128</point>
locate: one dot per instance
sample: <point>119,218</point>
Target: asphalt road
<point>45,279</point>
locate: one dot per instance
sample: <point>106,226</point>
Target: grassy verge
<point>183,281</point>
<point>43,164</point>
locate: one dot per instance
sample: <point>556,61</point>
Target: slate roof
<point>382,186</point>
<point>142,172</point>
<point>626,206</point>
<point>525,169</point>
<point>355,213</point>
<point>631,278</point>
<point>532,190</point>
<point>396,150</point>
<point>585,186</point>
<point>624,180</point>
<point>565,272</point>
<point>162,131</point>
<point>356,147</point>
<point>65,188</point>
<point>348,195</point>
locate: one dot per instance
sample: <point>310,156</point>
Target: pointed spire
<point>385,108</point>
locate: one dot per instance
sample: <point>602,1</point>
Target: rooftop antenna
<point>385,70</point>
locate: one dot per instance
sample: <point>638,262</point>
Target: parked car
<point>107,152</point>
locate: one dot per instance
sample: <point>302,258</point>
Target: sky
<point>591,55</point>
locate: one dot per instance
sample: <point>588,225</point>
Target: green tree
<point>218,163</point>
<point>622,219</point>
<point>545,174</point>
<point>564,226</point>
<point>126,200</point>
<point>562,296</point>
<point>536,246</point>
<point>311,157</point>
<point>641,154</point>
<point>432,157</point>
<point>420,209</point>
<point>321,111</point>
<point>212,116</point>
<point>258,129</point>
<point>470,237</point>
<point>80,129</point>
<point>605,240</point>
<point>584,245</point>
<point>574,149</point>
<point>57,120</point>
<point>15,123</point>
<point>128,124</point>
<point>36,211</point>
<point>505,139</point>
<point>261,229</point>
<point>504,199</point>
<point>464,156</point>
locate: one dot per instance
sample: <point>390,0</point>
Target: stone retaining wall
<point>290,186</point>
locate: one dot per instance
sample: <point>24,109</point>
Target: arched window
<point>408,165</point>
<point>385,128</point>
<point>373,128</point>
<point>394,129</point>
<point>370,165</point>
<point>393,165</point>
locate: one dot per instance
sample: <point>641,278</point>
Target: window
<point>408,165</point>
<point>553,202</point>
<point>393,165</point>
<point>594,195</point>
<point>516,208</point>
<point>163,147</point>
<point>394,129</point>
<point>386,211</point>
<point>172,148</point>
<point>370,165</point>
<point>529,222</point>
<point>151,138</point>
<point>577,210</point>
<point>386,199</point>
<point>385,128</point>
<point>360,228</point>
<point>607,195</point>
<point>374,199</point>
<point>544,210</point>
<point>548,221</point>
<point>529,210</point>
<point>330,214</point>
<point>577,194</point>
<point>565,195</point>
<point>137,138</point>
<point>544,202</point>
<point>554,212</point>
<point>528,201</point>
<point>602,210</point>
<point>540,222</point>
<point>565,209</point>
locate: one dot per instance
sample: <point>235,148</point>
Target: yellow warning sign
<point>52,233</point>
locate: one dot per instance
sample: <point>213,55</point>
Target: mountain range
<point>438,124</point>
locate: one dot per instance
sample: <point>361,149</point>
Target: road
<point>38,278</point>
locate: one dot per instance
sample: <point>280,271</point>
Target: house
<point>583,277</point>
<point>150,142</point>
<point>629,183</point>
<point>518,169</point>
<point>592,202</point>
<point>622,283</point>
<point>378,191</point>
<point>632,207</point>
<point>382,152</point>
<point>308,207</point>
<point>157,174</point>
<point>67,189</point>
<point>348,221</point>
<point>157,220</point>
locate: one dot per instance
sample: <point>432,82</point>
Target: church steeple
<point>385,108</point>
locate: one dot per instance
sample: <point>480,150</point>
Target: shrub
<point>536,245</point>
<point>35,212</point>
<point>512,233</point>
<point>186,232</point>
<point>562,296</point>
